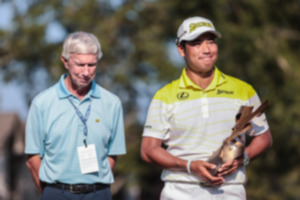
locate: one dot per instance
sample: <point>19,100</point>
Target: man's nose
<point>205,47</point>
<point>85,70</point>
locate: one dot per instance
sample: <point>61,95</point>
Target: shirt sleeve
<point>33,133</point>
<point>259,124</point>
<point>117,144</point>
<point>157,123</point>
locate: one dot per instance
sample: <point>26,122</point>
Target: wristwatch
<point>246,159</point>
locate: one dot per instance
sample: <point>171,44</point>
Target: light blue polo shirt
<point>55,131</point>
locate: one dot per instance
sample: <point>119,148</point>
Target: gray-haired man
<point>74,130</point>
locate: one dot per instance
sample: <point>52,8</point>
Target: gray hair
<point>81,43</point>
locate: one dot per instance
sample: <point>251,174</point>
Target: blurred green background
<point>260,45</point>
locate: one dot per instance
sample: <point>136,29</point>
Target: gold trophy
<point>233,147</point>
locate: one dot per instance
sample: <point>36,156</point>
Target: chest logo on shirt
<point>224,92</point>
<point>182,95</point>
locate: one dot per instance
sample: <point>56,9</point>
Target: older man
<point>193,115</point>
<point>75,130</point>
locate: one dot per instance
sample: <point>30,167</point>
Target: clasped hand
<point>202,168</point>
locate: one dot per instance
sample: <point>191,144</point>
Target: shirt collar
<point>186,82</point>
<point>63,92</point>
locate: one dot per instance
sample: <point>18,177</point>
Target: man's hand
<point>202,168</point>
<point>33,163</point>
<point>229,167</point>
<point>257,146</point>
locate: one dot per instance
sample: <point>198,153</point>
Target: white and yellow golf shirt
<point>193,122</point>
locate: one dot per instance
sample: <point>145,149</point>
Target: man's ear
<point>65,62</point>
<point>181,50</point>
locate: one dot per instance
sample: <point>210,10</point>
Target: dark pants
<point>51,193</point>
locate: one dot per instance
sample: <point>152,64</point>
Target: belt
<point>79,188</point>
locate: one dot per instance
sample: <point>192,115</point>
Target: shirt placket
<point>204,107</point>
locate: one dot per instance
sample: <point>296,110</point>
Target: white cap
<point>193,27</point>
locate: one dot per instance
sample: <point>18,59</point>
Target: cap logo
<point>193,26</point>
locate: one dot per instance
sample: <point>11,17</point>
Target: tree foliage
<point>260,45</point>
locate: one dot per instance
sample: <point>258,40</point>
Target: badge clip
<point>85,144</point>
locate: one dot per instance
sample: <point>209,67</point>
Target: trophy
<point>233,147</point>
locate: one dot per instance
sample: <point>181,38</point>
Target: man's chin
<point>83,86</point>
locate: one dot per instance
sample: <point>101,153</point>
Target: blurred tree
<point>260,45</point>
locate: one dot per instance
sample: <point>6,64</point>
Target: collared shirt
<point>193,122</point>
<point>55,131</point>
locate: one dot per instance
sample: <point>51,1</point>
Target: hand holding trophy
<point>233,147</point>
